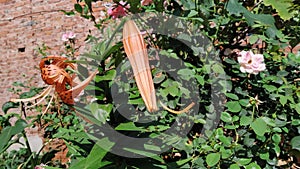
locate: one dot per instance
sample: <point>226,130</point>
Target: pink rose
<point>118,11</point>
<point>251,63</point>
<point>146,2</point>
<point>67,36</point>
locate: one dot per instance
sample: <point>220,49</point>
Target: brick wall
<point>25,24</point>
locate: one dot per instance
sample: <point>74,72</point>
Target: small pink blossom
<point>41,166</point>
<point>67,36</point>
<point>212,24</point>
<point>251,63</point>
<point>118,11</point>
<point>146,2</point>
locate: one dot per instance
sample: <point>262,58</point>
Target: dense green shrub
<point>242,119</point>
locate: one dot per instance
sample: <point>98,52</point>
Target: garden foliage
<point>234,58</point>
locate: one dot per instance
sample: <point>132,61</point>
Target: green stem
<point>29,152</point>
<point>253,110</point>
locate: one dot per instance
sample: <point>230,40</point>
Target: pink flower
<point>41,166</point>
<point>146,2</point>
<point>251,63</point>
<point>67,36</point>
<point>118,11</point>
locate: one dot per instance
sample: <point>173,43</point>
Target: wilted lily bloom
<point>251,63</point>
<point>255,101</point>
<point>67,36</point>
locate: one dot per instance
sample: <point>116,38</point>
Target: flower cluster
<point>67,36</point>
<point>251,63</point>
<point>119,11</point>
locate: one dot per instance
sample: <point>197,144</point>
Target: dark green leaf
<point>9,105</point>
<point>78,8</point>
<point>94,159</point>
<point>8,132</point>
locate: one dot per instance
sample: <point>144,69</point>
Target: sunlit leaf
<point>212,159</point>
<point>282,7</point>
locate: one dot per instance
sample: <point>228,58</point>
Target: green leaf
<point>136,101</point>
<point>259,126</point>
<point>159,77</point>
<point>226,117</point>
<point>212,159</point>
<point>245,120</point>
<point>145,153</point>
<point>217,68</point>
<point>244,102</point>
<point>8,132</point>
<point>296,107</point>
<point>109,75</point>
<point>78,8</point>
<point>269,121</point>
<point>283,100</point>
<point>253,39</point>
<point>192,13</point>
<point>244,161</point>
<point>184,37</point>
<point>100,111</point>
<point>266,20</point>
<point>200,79</point>
<point>270,88</point>
<point>235,8</point>
<point>264,155</point>
<point>295,142</point>
<point>130,126</point>
<point>232,96</point>
<point>225,140</point>
<point>152,147</point>
<point>181,162</point>
<point>234,166</point>
<point>9,105</point>
<point>186,74</point>
<point>234,106</point>
<point>94,159</point>
<point>282,7</point>
<point>253,166</point>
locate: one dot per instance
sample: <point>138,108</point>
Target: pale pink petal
<point>72,35</point>
<point>64,37</point>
